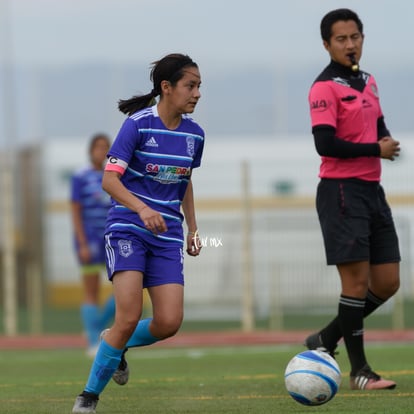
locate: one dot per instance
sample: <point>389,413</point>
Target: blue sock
<point>142,335</point>
<point>104,365</point>
<point>108,311</point>
<point>91,323</point>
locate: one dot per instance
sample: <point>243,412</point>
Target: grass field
<point>67,320</point>
<point>197,381</point>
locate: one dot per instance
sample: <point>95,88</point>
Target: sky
<point>214,32</point>
<point>225,37</point>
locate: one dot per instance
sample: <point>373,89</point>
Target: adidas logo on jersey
<point>151,142</point>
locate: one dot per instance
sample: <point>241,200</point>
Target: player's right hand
<point>153,221</point>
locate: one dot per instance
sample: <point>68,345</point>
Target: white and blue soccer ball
<point>312,377</point>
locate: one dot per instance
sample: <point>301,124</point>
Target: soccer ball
<point>312,377</point>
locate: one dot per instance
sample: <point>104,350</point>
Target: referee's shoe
<point>367,379</point>
<point>314,342</point>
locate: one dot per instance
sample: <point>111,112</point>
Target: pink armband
<point>115,164</point>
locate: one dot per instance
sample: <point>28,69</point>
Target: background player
<point>89,206</point>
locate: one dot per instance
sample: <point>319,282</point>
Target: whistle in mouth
<point>355,66</point>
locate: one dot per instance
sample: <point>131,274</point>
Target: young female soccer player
<point>148,175</point>
<point>90,205</point>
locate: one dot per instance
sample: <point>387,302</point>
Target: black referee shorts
<point>356,222</point>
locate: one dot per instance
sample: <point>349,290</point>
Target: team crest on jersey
<point>190,146</point>
<point>125,248</point>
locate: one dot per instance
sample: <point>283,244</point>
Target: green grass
<point>67,320</point>
<point>197,380</point>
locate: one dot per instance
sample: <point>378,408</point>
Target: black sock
<point>351,322</point>
<point>331,334</point>
<point>372,302</point>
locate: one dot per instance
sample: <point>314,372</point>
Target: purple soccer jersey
<point>86,189</point>
<point>156,165</point>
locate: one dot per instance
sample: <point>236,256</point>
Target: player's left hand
<point>389,148</point>
<point>193,244</point>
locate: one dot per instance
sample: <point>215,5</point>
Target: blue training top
<point>86,189</point>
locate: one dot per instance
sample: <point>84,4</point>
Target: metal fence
<point>289,271</point>
<point>262,256</point>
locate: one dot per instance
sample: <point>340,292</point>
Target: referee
<point>357,225</point>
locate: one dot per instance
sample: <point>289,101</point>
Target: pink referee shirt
<point>354,116</point>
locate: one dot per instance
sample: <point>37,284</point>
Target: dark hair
<point>168,68</point>
<point>97,137</point>
<point>337,15</point>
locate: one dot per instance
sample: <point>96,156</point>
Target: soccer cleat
<point>314,342</point>
<point>121,375</point>
<point>85,403</point>
<point>366,379</point>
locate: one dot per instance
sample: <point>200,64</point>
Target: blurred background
<point>65,64</point>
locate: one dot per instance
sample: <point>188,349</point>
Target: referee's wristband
<point>192,233</point>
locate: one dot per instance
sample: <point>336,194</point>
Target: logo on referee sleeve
<point>125,248</point>
<point>320,105</point>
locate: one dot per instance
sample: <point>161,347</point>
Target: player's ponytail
<point>136,103</point>
<point>169,68</point>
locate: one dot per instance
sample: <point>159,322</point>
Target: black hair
<point>338,15</point>
<point>97,137</point>
<point>168,68</point>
